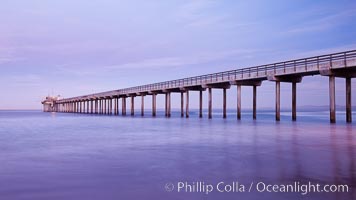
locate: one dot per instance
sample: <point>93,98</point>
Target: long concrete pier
<point>340,65</point>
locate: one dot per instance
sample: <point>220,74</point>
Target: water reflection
<point>351,154</point>
<point>66,156</point>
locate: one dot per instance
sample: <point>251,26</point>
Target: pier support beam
<point>238,102</point>
<point>154,105</point>
<point>332,99</point>
<point>142,105</point>
<point>96,106</point>
<point>254,103</point>
<point>165,105</point>
<point>278,101</point>
<point>200,104</point>
<point>91,106</point>
<point>348,100</point>
<point>187,104</point>
<point>123,106</point>
<point>108,101</point>
<point>101,111</point>
<point>115,106</point>
<point>118,107</point>
<point>182,104</point>
<point>100,106</point>
<point>105,107</point>
<point>168,104</point>
<point>210,103</point>
<point>224,102</point>
<point>132,105</point>
<point>110,106</point>
<point>294,101</point>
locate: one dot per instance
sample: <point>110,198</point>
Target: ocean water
<point>52,156</point>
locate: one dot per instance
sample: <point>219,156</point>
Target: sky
<point>72,48</point>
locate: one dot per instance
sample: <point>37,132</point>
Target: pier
<point>340,65</point>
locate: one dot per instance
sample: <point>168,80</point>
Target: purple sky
<point>77,47</point>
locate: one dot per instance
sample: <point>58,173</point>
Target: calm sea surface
<point>52,156</point>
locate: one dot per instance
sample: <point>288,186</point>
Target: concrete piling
<point>278,101</point>
<point>332,99</point>
<point>210,103</point>
<point>348,100</point>
<point>238,101</point>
